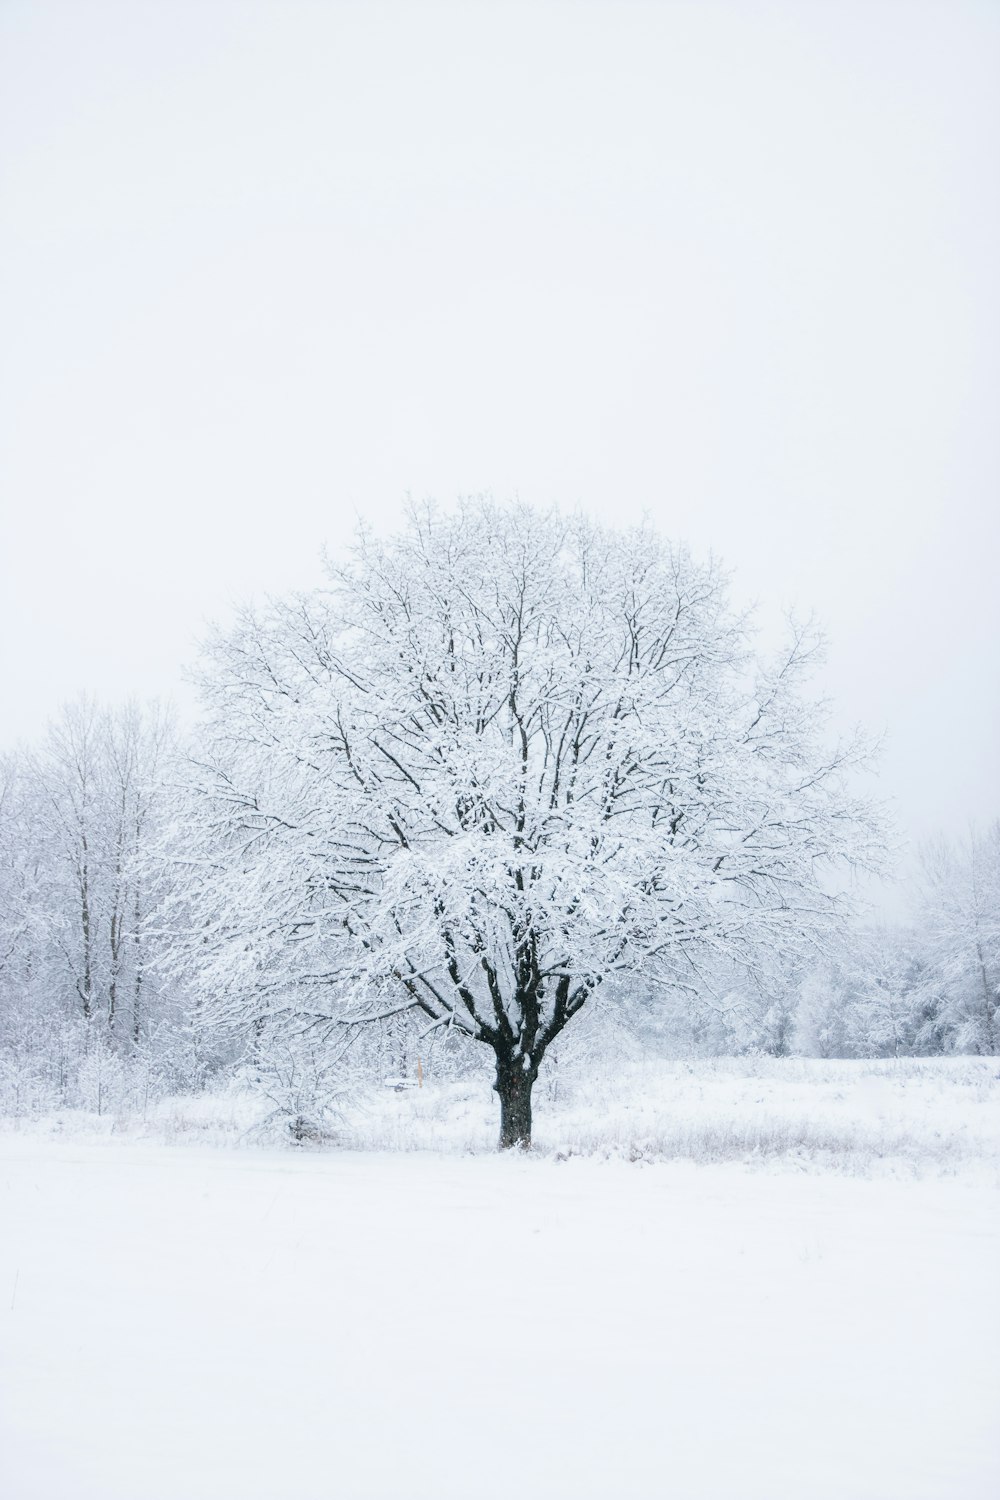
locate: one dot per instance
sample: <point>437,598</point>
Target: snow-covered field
<point>906,1115</point>
<point>812,1315</point>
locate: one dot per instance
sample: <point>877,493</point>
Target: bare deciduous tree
<point>961,935</point>
<point>502,759</point>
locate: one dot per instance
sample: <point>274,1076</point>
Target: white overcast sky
<point>265,267</point>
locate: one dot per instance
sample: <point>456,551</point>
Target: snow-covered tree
<point>500,760</point>
<point>880,1006</point>
<point>16,868</point>
<point>93,785</point>
<point>820,1029</point>
<point>78,814</point>
<point>877,995</point>
<point>960,926</point>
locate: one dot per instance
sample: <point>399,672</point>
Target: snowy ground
<point>907,1116</point>
<point>195,1322</point>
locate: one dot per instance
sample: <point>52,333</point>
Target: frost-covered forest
<point>510,795</point>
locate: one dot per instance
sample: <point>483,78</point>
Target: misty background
<point>269,268</point>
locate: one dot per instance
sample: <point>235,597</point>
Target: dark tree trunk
<point>513,1084</point>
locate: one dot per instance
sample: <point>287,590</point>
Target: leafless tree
<point>500,760</point>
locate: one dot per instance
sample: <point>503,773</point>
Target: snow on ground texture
<point>909,1114</point>
<point>189,1323</point>
<point>904,1116</point>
